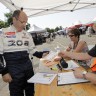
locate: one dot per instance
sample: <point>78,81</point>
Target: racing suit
<point>15,48</point>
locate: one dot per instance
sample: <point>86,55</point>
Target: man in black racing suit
<point>15,47</point>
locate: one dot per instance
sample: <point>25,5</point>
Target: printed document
<point>68,78</point>
<point>50,56</point>
<point>43,78</point>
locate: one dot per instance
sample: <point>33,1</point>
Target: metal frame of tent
<point>48,6</point>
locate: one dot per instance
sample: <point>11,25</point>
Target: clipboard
<point>42,78</point>
<point>67,78</point>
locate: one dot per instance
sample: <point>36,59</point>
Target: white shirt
<point>11,41</point>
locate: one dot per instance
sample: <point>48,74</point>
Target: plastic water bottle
<point>57,49</point>
<point>63,63</point>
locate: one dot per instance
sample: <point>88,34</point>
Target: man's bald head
<point>19,19</point>
<point>17,13</point>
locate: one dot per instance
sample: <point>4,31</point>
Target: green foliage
<point>8,15</point>
<point>27,26</point>
<point>8,22</point>
<point>54,30</point>
<point>57,28</point>
<point>2,24</point>
<point>9,19</point>
<point>48,29</point>
<point>60,28</point>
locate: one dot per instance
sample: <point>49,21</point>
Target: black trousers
<point>21,70</point>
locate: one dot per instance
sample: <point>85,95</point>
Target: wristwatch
<point>84,73</point>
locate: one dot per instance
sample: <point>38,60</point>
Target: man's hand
<point>62,54</point>
<point>7,78</point>
<point>78,73</point>
<point>57,58</point>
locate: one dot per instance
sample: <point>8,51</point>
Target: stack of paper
<point>43,78</point>
<point>68,78</point>
<point>50,56</point>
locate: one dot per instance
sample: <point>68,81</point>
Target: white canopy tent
<point>36,29</point>
<point>90,23</point>
<point>77,23</point>
<point>94,20</point>
<point>43,7</point>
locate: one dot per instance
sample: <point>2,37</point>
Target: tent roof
<point>42,7</point>
<point>94,20</point>
<point>77,23</point>
<point>36,29</point>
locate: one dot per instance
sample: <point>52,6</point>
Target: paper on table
<point>43,78</point>
<point>71,65</point>
<point>50,56</point>
<point>49,59</point>
<point>68,78</point>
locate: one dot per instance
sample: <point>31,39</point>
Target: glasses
<point>71,35</point>
<point>22,22</point>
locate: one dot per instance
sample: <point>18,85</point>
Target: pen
<point>47,75</point>
<point>59,67</point>
<point>73,70</point>
<point>54,69</point>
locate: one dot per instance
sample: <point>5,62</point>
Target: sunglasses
<point>71,35</point>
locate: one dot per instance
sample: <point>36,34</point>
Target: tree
<point>28,26</point>
<point>8,19</point>
<point>56,29</point>
<point>60,28</point>
<point>52,30</point>
<point>48,29</point>
<point>2,24</point>
<point>7,22</point>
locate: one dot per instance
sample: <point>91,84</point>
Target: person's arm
<point>3,70</point>
<point>78,73</point>
<point>41,54</point>
<point>69,48</point>
<point>33,51</point>
<point>80,56</point>
<point>75,55</point>
<point>91,77</point>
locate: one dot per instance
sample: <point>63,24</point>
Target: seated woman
<point>77,45</point>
